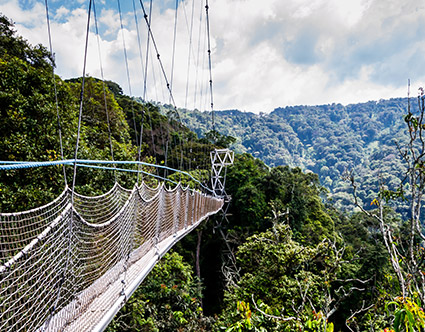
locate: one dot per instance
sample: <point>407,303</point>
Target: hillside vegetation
<point>325,139</point>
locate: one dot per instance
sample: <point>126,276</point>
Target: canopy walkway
<point>70,266</point>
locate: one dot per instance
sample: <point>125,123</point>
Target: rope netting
<point>64,266</point>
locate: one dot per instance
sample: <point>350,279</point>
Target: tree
<point>28,121</point>
<point>404,240</point>
<point>286,286</point>
<point>220,140</point>
<point>300,194</point>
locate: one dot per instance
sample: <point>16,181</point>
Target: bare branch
<point>356,312</point>
<point>354,279</point>
<point>285,319</point>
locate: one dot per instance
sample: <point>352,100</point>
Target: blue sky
<point>265,54</point>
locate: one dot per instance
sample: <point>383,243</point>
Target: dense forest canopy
<point>325,139</point>
<point>301,263</point>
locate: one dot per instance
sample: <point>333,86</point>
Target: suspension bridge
<point>71,264</point>
<point>82,260</point>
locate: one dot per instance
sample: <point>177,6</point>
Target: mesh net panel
<point>63,266</point>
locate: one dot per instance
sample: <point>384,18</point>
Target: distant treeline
<point>327,140</point>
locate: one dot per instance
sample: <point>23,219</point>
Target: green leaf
<point>411,321</point>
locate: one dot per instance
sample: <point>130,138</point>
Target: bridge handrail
<point>12,165</point>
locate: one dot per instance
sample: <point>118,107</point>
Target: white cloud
<point>13,10</point>
<point>61,13</point>
<point>277,54</point>
<point>110,19</point>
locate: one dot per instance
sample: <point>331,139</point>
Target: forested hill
<point>325,139</point>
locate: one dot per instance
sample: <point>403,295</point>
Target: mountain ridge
<point>324,139</point>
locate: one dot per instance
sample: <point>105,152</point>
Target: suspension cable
<point>81,102</point>
<point>164,75</point>
<point>190,48</point>
<point>104,89</point>
<point>147,50</point>
<point>203,85</point>
<point>154,75</point>
<point>148,54</point>
<point>55,89</point>
<point>159,58</point>
<point>203,95</point>
<point>197,59</point>
<point>190,52</point>
<point>139,155</point>
<point>174,45</point>
<point>128,72</point>
<point>138,40</point>
<point>209,65</point>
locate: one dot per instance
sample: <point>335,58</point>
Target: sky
<point>264,54</point>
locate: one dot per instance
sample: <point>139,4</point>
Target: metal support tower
<point>220,159</point>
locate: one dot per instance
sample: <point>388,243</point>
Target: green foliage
<point>325,139</point>
<point>28,121</point>
<point>292,280</point>
<point>12,46</point>
<point>256,190</point>
<point>242,318</point>
<point>299,193</point>
<point>222,141</point>
<point>408,314</point>
<point>265,318</point>
<point>317,322</point>
<point>202,176</point>
<point>100,106</point>
<point>243,183</point>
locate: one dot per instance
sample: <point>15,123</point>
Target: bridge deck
<point>103,308</point>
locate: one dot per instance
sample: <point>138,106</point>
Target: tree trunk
<point>198,252</point>
<point>197,265</point>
